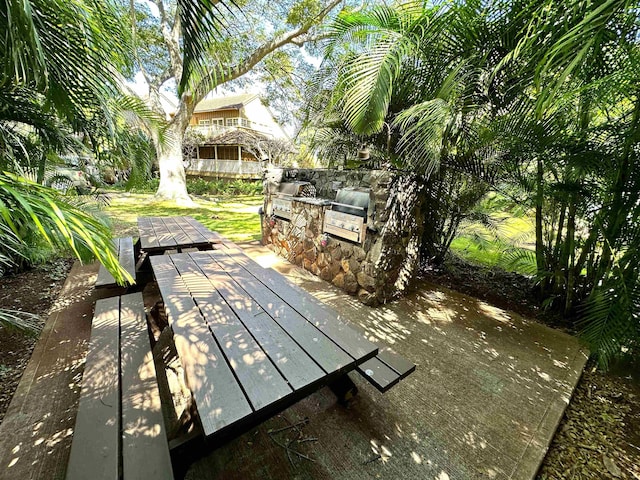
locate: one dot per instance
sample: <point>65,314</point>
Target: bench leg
<point>344,389</point>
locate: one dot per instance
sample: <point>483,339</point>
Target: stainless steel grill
<point>281,203</point>
<point>349,214</point>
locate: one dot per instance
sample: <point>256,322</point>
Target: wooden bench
<point>386,369</point>
<point>119,431</point>
<point>126,257</point>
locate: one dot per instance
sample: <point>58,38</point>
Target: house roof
<point>225,103</point>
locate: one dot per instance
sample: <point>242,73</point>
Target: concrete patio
<point>484,402</point>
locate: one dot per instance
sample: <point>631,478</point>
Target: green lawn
<point>233,217</point>
<point>509,247</point>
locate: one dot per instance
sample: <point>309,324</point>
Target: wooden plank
<point>296,366</point>
<point>104,277</point>
<point>148,238</point>
<point>396,362</point>
<point>211,236</point>
<point>324,352</point>
<point>379,374</point>
<point>219,398</point>
<point>145,449</point>
<point>98,420</point>
<point>163,234</point>
<point>321,316</point>
<point>173,225</point>
<point>260,379</point>
<point>126,256</point>
<point>196,237</point>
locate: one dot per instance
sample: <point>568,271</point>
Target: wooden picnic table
<point>251,343</point>
<point>159,234</point>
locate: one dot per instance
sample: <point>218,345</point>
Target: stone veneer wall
<point>375,271</point>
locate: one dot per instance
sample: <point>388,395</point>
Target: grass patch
<point>507,244</point>
<point>233,217</point>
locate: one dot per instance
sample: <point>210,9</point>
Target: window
<point>218,122</point>
<point>232,122</point>
<point>204,123</point>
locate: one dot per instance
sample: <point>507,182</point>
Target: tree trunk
<point>173,179</point>
<point>540,257</point>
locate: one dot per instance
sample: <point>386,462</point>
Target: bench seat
<point>126,257</point>
<point>386,369</point>
<point>119,430</point>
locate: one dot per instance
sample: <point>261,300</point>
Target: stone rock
<point>350,283</point>
<point>359,254</point>
<point>307,264</point>
<point>321,260</point>
<point>366,281</point>
<point>310,254</point>
<point>376,250</point>
<point>367,298</point>
<point>334,268</point>
<point>315,269</point>
<point>307,244</point>
<point>325,274</point>
<point>298,248</point>
<point>345,265</point>
<point>336,254</point>
<point>338,281</point>
<point>354,265</point>
<point>347,250</point>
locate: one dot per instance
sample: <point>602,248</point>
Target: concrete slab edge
<point>535,452</point>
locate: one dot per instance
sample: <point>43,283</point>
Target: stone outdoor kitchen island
<point>376,265</point>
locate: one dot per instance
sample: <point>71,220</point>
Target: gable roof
<point>225,103</point>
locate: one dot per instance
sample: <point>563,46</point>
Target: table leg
<point>344,389</point>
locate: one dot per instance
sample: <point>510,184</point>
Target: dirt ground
<point>598,438</point>
<point>33,291</point>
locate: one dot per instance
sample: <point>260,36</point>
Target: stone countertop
<point>320,202</point>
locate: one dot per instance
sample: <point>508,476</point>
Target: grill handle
<point>348,205</point>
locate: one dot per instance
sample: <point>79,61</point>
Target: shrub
<point>200,186</point>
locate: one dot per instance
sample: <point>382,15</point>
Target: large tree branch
<point>171,36</point>
<point>295,36</point>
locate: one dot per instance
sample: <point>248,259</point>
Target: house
<point>232,135</point>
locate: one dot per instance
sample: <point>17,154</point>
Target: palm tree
<point>531,95</point>
<point>60,76</point>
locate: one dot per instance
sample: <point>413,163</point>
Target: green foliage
<point>200,186</point>
<point>148,186</point>
<point>19,321</point>
<point>535,99</point>
<point>30,213</point>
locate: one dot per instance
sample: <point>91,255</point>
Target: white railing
<point>232,124</point>
<point>212,167</point>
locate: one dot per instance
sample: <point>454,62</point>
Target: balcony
<point>213,127</point>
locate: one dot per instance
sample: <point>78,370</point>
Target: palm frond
<point>19,321</point>
<point>27,207</point>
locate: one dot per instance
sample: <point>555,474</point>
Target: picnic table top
<point>163,233</point>
<point>250,341</point>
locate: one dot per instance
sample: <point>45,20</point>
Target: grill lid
<point>293,189</point>
<point>354,201</point>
